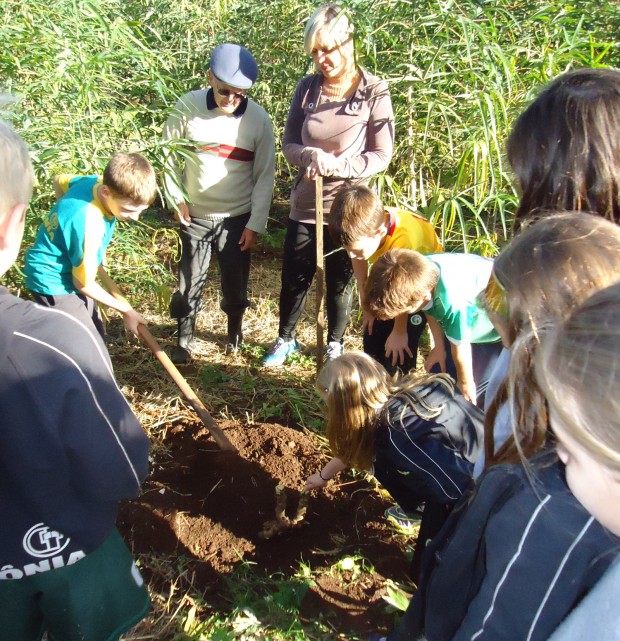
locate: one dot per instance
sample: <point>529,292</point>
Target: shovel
<point>182,384</point>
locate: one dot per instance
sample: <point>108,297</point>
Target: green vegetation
<point>86,78</point>
<point>91,77</point>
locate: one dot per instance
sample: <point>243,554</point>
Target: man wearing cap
<point>219,182</point>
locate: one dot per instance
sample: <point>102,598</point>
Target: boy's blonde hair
<point>578,369</point>
<point>357,390</point>
<point>545,272</point>
<point>131,176</point>
<point>356,214</point>
<point>399,280</point>
<point>16,174</point>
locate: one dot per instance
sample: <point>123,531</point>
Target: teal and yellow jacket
<point>72,240</point>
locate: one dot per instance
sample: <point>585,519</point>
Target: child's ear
<point>105,191</point>
<point>12,225</point>
<point>428,297</point>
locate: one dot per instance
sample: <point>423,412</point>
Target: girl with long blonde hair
<point>417,436</point>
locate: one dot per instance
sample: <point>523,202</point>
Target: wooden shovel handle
<point>320,272</point>
<point>182,384</point>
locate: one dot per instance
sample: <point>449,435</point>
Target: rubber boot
<point>235,335</point>
<point>181,354</point>
<point>179,307</point>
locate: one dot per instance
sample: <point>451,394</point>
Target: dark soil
<point>207,507</point>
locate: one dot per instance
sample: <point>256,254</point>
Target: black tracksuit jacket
<point>70,446</point>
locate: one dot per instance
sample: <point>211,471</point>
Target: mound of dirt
<point>209,507</point>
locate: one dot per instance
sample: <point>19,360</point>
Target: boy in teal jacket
<point>69,250</point>
<point>446,288</point>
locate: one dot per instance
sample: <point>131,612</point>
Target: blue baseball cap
<point>234,65</point>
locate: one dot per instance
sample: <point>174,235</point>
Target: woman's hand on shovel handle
<point>322,164</point>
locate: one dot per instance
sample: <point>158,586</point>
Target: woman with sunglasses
<point>219,186</point>
<point>340,126</point>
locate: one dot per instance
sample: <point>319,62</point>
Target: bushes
<point>94,77</point>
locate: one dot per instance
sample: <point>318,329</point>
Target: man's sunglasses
<point>228,93</point>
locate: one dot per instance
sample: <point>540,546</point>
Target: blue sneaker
<point>279,352</point>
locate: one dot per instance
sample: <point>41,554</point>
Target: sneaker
<point>401,518</point>
<point>279,352</point>
<point>334,350</point>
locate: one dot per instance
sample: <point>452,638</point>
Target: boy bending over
<point>70,247</point>
<point>445,287</point>
<point>366,229</point>
<point>71,448</point>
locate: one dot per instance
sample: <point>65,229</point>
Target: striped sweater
<point>220,164</point>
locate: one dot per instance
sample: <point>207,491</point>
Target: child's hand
<point>368,320</point>
<point>437,356</point>
<point>468,389</point>
<point>314,482</point>
<point>132,319</point>
<point>396,346</point>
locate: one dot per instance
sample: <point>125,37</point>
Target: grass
<point>265,608</point>
<point>261,608</point>
<point>90,77</point>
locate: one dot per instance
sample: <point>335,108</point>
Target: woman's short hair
<point>329,25</point>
